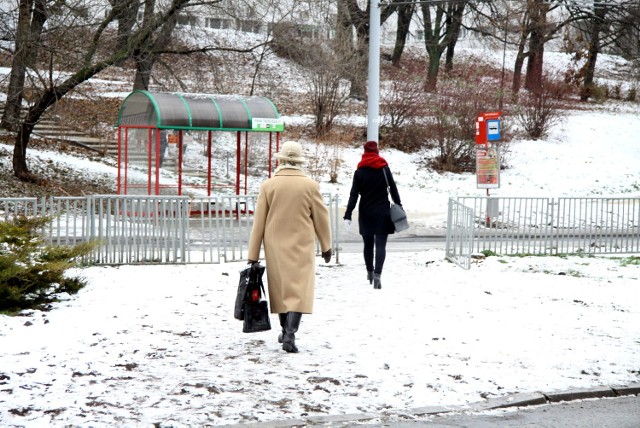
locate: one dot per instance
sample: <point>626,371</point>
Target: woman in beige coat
<point>289,215</point>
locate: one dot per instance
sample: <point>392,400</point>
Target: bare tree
<point>606,23</point>
<point>538,111</point>
<point>596,24</point>
<point>358,50</point>
<point>359,20</point>
<point>403,104</point>
<point>455,13</point>
<point>83,41</point>
<point>32,15</point>
<point>538,35</point>
<point>405,16</point>
<point>627,28</point>
<point>90,50</point>
<point>328,92</point>
<point>521,55</point>
<point>146,56</point>
<point>442,22</point>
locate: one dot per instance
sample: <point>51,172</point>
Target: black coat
<point>373,211</point>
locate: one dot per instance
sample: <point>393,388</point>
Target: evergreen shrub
<point>32,272</point>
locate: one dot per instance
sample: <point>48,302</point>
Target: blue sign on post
<point>493,130</point>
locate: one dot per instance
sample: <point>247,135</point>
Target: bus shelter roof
<point>202,112</point>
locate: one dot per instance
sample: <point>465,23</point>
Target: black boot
<point>377,284</point>
<point>370,276</point>
<point>283,320</point>
<point>291,326</point>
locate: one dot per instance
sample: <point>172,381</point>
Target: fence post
<point>336,220</point>
<point>554,230</point>
<point>449,226</point>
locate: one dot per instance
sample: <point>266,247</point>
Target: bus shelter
<point>154,126</point>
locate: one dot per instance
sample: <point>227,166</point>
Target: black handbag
<point>256,317</point>
<point>398,216</point>
<point>250,306</point>
<point>243,290</point>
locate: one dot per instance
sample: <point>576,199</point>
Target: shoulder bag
<point>398,216</point>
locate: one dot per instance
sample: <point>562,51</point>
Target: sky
<point>145,345</point>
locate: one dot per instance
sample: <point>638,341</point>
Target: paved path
<point>581,408</point>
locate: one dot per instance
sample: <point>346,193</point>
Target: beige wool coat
<point>289,215</point>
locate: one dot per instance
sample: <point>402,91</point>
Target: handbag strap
<point>388,191</point>
<point>253,274</point>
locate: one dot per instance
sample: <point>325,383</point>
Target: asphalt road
<point>411,244</point>
<point>610,412</point>
<point>619,412</point>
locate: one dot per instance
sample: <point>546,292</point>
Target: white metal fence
<point>543,226</point>
<point>459,234</point>
<point>151,229</point>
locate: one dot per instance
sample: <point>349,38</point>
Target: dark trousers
<point>379,243</point>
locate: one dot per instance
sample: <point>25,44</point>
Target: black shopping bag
<point>250,283</point>
<point>256,317</point>
<point>250,305</point>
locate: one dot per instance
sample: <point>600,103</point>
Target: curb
<point>514,400</point>
<point>523,400</point>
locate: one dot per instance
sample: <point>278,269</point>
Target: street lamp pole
<point>373,104</point>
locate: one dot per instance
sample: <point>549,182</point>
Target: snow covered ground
<point>158,345</point>
<point>143,345</point>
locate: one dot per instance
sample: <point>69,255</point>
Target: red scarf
<point>372,160</point>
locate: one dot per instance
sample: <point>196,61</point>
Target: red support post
<point>157,163</point>
<point>209,163</point>
<point>246,160</point>
<point>149,151</point>
<point>180,163</point>
<point>238,162</point>
<point>270,144</point>
<point>277,146</point>
<point>126,160</point>
<point>119,159</point>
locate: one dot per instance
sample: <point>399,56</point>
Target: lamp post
<point>373,104</point>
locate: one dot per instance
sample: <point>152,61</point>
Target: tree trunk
<point>520,56</point>
<point>148,56</point>
<point>517,72</point>
<point>126,15</point>
<point>144,65</point>
<point>344,45</point>
<point>433,43</point>
<point>361,58</point>
<point>20,169</point>
<point>31,19</point>
<point>454,24</point>
<point>405,13</point>
<point>357,68</point>
<point>344,32</point>
<point>533,78</point>
<point>432,72</point>
<point>594,48</point>
<point>360,71</point>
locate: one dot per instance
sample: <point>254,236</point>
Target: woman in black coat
<point>374,219</point>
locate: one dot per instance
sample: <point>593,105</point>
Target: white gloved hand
<point>347,224</point>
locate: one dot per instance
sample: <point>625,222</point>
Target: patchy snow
<point>159,344</point>
<point>144,345</point>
